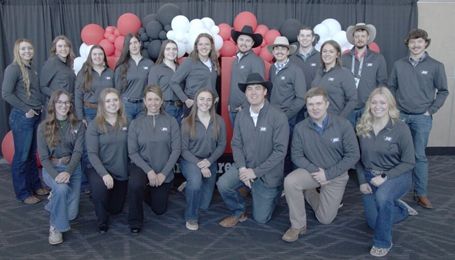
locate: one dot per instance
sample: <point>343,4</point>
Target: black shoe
<point>135,230</point>
<point>103,228</point>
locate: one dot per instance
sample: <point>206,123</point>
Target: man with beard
<point>368,67</point>
<point>245,63</point>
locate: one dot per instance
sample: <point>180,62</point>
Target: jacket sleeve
<point>220,142</point>
<point>179,77</point>
<point>406,146</point>
<point>298,153</point>
<point>237,144</point>
<point>133,148</point>
<point>440,83</point>
<point>46,76</point>
<point>92,139</point>
<point>300,90</point>
<point>10,78</point>
<point>350,94</point>
<point>176,146</point>
<point>381,74</point>
<point>77,149</point>
<point>186,153</point>
<point>79,96</point>
<point>393,80</point>
<point>44,152</point>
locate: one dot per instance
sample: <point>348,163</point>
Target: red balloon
<point>245,18</point>
<point>118,43</point>
<point>110,29</point>
<point>8,149</point>
<point>271,35</point>
<point>92,34</point>
<point>108,47</point>
<point>111,38</point>
<point>112,61</point>
<point>374,47</point>
<point>116,32</point>
<point>128,23</point>
<point>118,53</point>
<point>266,55</point>
<point>229,49</point>
<point>257,50</point>
<point>225,31</point>
<point>262,29</point>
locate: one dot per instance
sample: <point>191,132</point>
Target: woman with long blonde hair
<point>385,168</point>
<point>20,89</point>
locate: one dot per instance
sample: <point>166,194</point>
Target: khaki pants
<point>300,185</point>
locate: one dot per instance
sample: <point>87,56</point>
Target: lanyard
<point>360,66</point>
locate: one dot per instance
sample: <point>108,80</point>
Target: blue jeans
<point>89,114</point>
<point>264,198</point>
<point>198,190</point>
<point>382,209</point>
<point>132,110</point>
<point>355,116</point>
<point>173,110</point>
<point>24,170</point>
<point>63,204</point>
<point>420,126</point>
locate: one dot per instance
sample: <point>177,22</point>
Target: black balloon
<point>148,18</point>
<point>167,12</point>
<point>141,30</point>
<point>290,29</point>
<point>153,29</point>
<point>153,49</point>
<point>143,36</point>
<point>145,53</point>
<point>163,35</point>
<point>167,27</point>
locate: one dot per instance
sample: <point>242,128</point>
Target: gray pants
<point>300,185</point>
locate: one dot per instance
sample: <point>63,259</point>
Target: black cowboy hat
<point>247,30</point>
<point>253,79</point>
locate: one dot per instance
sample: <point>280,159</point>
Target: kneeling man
<point>324,147</point>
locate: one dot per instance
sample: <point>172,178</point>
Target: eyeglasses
<point>67,103</point>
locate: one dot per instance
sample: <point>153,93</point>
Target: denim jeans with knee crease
<point>420,126</point>
<point>382,209</point>
<point>63,205</point>
<point>198,189</point>
<point>24,170</point>
<point>264,198</point>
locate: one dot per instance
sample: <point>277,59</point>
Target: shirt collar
<point>415,62</point>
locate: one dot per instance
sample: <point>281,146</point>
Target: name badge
<point>108,78</point>
<point>164,129</point>
<point>335,139</point>
<point>313,64</point>
<point>369,64</point>
<point>331,79</point>
<point>263,129</point>
<point>424,72</point>
<point>388,139</point>
<point>283,77</point>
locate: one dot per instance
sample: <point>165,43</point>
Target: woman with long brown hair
<point>203,142</point>
<point>60,142</point>
<point>20,88</point>
<point>106,140</point>
<point>199,70</point>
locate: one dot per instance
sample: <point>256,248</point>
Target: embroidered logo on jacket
<point>146,67</point>
<point>124,128</point>
<point>335,139</point>
<point>424,72</point>
<point>369,64</point>
<point>331,79</point>
<point>283,77</point>
<point>164,129</point>
<point>263,129</point>
<point>388,139</point>
<point>108,78</point>
<point>242,66</point>
<point>313,65</point>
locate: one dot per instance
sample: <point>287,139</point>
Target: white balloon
<point>215,30</point>
<point>322,30</point>
<point>179,36</point>
<point>208,22</point>
<point>340,37</point>
<point>189,46</point>
<point>180,23</point>
<point>84,49</point>
<point>181,47</point>
<point>196,25</point>
<point>333,25</point>
<point>170,35</point>
<point>78,63</point>
<point>218,42</point>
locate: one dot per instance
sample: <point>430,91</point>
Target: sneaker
<point>411,211</point>
<point>231,221</point>
<point>192,225</point>
<point>30,200</point>
<point>379,252</point>
<point>55,236</point>
<point>341,205</point>
<point>292,234</point>
<point>42,192</point>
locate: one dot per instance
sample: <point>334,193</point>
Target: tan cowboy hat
<point>247,30</point>
<point>282,41</point>
<point>368,27</point>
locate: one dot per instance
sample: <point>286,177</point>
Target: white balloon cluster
<point>184,32</point>
<point>330,29</point>
<point>84,50</point>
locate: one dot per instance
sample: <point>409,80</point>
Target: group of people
<point>320,115</point>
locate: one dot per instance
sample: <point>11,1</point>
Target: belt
<point>176,103</point>
<point>132,100</point>
<point>90,105</point>
<point>59,161</point>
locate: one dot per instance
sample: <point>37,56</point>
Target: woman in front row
<point>153,146</point>
<point>60,142</point>
<point>203,142</point>
<point>107,149</point>
<point>385,169</point>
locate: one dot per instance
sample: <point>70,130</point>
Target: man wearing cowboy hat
<point>246,62</point>
<point>368,67</point>
<point>324,147</point>
<point>259,145</point>
<point>419,84</point>
<point>288,81</point>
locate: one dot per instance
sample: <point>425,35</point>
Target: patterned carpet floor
<point>429,235</point>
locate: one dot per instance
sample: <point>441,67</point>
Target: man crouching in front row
<point>324,147</point>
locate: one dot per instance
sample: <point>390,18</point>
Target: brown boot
<point>424,202</point>
<point>30,200</point>
<point>231,221</point>
<point>42,192</point>
<point>292,234</point>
